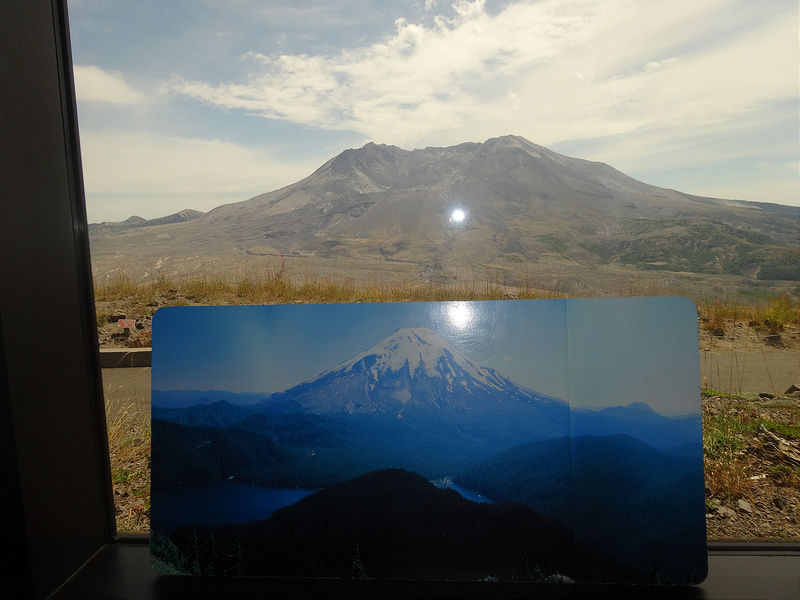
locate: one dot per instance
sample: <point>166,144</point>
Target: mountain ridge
<point>135,221</point>
<point>524,205</point>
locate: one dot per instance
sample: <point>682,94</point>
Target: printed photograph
<point>535,440</point>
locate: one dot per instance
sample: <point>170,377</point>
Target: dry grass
<point>278,288</point>
<point>765,319</point>
<point>768,316</point>
<point>750,447</point>
<point>735,444</point>
<point>276,285</point>
<point>728,466</point>
<point>129,449</point>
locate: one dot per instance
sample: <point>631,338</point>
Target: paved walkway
<point>742,372</point>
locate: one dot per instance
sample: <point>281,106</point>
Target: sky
<point>265,349</point>
<point>593,353</point>
<point>199,103</point>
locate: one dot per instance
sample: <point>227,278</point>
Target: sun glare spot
<point>459,314</point>
<point>458,215</point>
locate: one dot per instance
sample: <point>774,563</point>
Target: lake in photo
<point>226,502</point>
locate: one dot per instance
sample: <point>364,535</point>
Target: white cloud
<point>579,69</point>
<point>153,175</point>
<point>93,84</point>
<point>418,79</point>
<point>657,64</point>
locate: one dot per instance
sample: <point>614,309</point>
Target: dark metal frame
<point>56,505</point>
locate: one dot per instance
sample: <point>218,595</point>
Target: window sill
<point>122,570</point>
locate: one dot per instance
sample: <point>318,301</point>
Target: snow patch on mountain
<point>422,353</point>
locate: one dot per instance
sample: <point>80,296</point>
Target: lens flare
<point>459,314</point>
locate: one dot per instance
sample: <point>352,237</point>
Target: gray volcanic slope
<point>524,203</point>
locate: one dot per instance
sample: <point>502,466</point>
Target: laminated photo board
<point>526,440</point>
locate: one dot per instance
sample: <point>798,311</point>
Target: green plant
<point>121,475</point>
<point>727,465</point>
<point>781,429</point>
<point>722,441</point>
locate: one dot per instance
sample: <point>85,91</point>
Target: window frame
<point>57,506</point>
<point>60,505</point>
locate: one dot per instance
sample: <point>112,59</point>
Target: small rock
<point>745,506</point>
<point>724,511</point>
<point>508,296</point>
<point>792,389</point>
<point>766,395</point>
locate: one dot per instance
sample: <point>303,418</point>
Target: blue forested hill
<point>182,455</point>
<point>395,524</point>
<point>640,504</point>
<point>639,421</point>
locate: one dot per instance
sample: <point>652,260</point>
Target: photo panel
<point>536,440</point>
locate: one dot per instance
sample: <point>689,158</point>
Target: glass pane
<point>249,152</point>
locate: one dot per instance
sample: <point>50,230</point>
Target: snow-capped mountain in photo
<point>414,376</point>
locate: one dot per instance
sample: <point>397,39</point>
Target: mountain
<point>183,454</point>
<point>184,398</point>
<point>277,450</point>
<point>412,400</point>
<point>134,222</point>
<point>415,380</point>
<point>641,422</point>
<point>384,209</point>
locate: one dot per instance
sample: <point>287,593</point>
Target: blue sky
<point>198,103</point>
<point>595,352</point>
